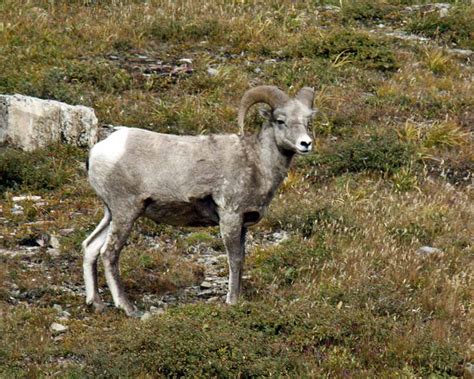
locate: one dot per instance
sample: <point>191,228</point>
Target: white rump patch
<point>112,148</point>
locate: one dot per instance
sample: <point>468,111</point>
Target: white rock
<point>58,328</point>
<point>26,197</point>
<point>54,242</point>
<point>29,123</point>
<point>146,316</point>
<point>57,308</point>
<point>212,71</point>
<point>428,250</point>
<point>156,310</point>
<point>206,284</point>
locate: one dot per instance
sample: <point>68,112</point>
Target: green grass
<point>347,294</point>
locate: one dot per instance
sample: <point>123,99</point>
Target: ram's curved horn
<point>270,95</point>
<point>306,96</point>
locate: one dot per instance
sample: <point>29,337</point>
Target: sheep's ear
<point>306,96</point>
<point>265,113</point>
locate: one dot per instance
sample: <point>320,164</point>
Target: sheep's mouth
<point>303,151</point>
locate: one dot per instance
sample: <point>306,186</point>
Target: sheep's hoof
<point>231,300</point>
<point>99,306</point>
<point>97,303</point>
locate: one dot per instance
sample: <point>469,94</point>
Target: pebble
<point>146,316</point>
<point>57,308</point>
<point>428,250</point>
<point>66,232</point>
<point>58,328</point>
<point>156,310</point>
<point>212,71</point>
<point>205,285</point>
<point>469,370</point>
<point>17,209</point>
<point>214,299</point>
<point>25,197</point>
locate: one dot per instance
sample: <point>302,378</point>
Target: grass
<point>346,294</point>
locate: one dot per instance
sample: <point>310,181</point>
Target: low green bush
<point>353,46</point>
<point>43,169</point>
<point>176,30</point>
<point>456,27</point>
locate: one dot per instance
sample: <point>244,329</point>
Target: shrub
<point>366,10</point>
<point>456,27</point>
<point>167,29</point>
<point>378,153</point>
<point>354,46</point>
<point>44,169</point>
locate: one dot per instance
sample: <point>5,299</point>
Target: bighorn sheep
<point>226,180</point>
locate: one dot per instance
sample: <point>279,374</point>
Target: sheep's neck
<point>274,163</point>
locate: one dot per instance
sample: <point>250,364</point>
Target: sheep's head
<point>289,117</point>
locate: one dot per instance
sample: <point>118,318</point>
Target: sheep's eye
<point>280,122</point>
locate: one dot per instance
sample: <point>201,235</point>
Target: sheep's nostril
<point>305,144</point>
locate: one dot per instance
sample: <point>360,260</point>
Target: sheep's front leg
<point>233,233</point>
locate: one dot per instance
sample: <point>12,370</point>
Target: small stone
<point>58,328</point>
<point>213,299</point>
<point>156,311</point>
<point>257,70</point>
<point>146,316</point>
<point>186,60</point>
<point>53,252</point>
<point>428,250</point>
<point>205,285</point>
<point>57,308</point>
<point>212,71</point>
<point>54,242</point>
<point>25,197</point>
<point>469,370</point>
<point>66,232</point>
<point>17,209</point>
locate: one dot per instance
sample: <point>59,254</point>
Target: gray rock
<point>58,328</point>
<point>29,123</point>
<point>146,316</point>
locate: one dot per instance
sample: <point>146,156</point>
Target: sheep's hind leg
<point>92,246</point>
<point>110,252</point>
<point>233,235</point>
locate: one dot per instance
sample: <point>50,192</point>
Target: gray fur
<point>225,180</point>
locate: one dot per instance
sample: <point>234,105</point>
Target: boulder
<point>29,123</point>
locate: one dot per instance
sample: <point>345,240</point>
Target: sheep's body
<point>224,180</point>
<point>186,179</point>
